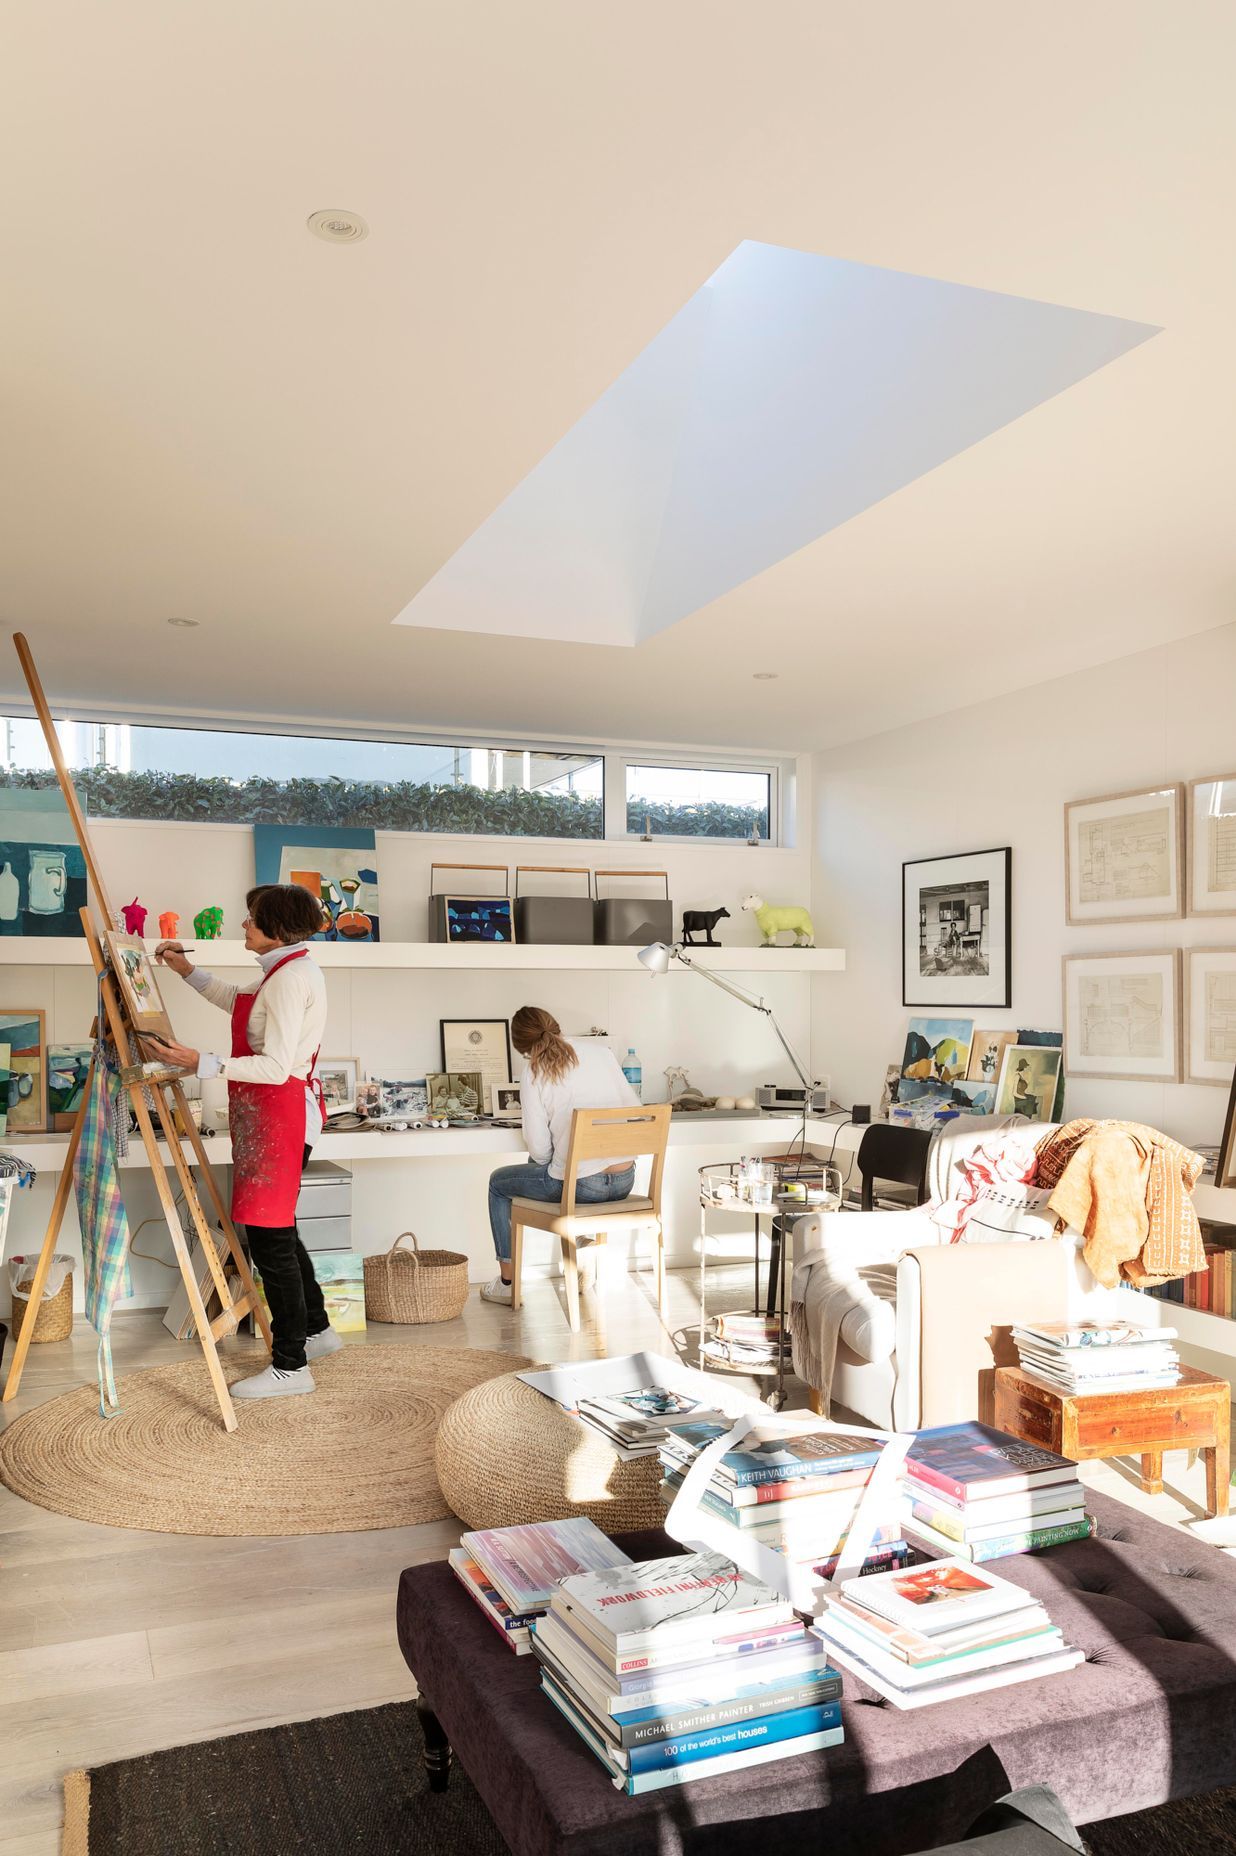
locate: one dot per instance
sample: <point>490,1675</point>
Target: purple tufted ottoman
<point>1150,1715</point>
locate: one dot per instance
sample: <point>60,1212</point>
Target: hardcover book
<point>801,1656</point>
<point>776,1451</point>
<point>970,1461</point>
<point>1003,1546</point>
<point>936,1597</point>
<point>655,1604</point>
<point>527,1563</point>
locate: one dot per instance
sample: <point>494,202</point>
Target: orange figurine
<point>169,925</point>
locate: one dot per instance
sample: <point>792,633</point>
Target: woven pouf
<point>505,1454</point>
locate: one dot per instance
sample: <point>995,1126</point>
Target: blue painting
<point>479,918</point>
<point>338,866</point>
<point>42,870</point>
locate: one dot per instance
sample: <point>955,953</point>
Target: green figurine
<point>208,924</point>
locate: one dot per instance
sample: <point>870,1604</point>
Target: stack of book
<point>679,1669</point>
<point>787,1488</point>
<point>1098,1356</point>
<point>939,1631</point>
<point>978,1494</point>
<point>511,1572</point>
<point>635,1421</point>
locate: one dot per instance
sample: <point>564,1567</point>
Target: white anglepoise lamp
<point>657,960</point>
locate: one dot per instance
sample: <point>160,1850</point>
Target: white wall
<point>1000,773</point>
<point>388,1019</point>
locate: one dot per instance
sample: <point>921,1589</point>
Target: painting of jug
<point>42,870</point>
<point>49,882</point>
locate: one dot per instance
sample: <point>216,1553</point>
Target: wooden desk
<point>1193,1415</point>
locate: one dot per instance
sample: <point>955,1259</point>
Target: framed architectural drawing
<point>956,930</point>
<point>1122,1017</point>
<point>1124,857</point>
<point>1210,1015</point>
<point>1212,845</point>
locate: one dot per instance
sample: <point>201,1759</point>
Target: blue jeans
<point>535,1182</point>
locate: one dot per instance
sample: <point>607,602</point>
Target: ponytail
<point>537,1036</point>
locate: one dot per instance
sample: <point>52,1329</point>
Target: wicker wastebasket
<point>54,1320</point>
<point>416,1285</point>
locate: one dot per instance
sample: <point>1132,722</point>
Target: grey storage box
<point>459,913</point>
<point>632,921</point>
<point>544,921</point>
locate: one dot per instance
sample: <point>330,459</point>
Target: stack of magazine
<point>1098,1356</point>
<point>679,1669</point>
<point>936,1632</point>
<point>750,1340</point>
<point>980,1494</point>
<point>511,1572</point>
<point>635,1421</point>
<point>792,1489</point>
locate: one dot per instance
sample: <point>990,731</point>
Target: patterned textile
<point>12,1167</point>
<point>1007,1160</point>
<point>1129,1190</point>
<point>101,1214</point>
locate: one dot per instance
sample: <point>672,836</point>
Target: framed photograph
<point>1124,857</point>
<point>403,1100</point>
<point>505,1099</point>
<point>456,1093</point>
<point>1211,814</point>
<point>986,1050</point>
<point>339,1077</point>
<point>139,984</point>
<point>480,1044</point>
<point>956,936</point>
<point>1029,1075</point>
<point>488,919</point>
<point>1122,1016</point>
<point>367,1101</point>
<point>1210,1015</point>
<point>24,1032</point>
<point>67,1069</point>
<point>1225,1169</point>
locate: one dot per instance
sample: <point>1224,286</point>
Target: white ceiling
<point>209,413</point>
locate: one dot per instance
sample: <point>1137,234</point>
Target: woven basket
<point>415,1285</point>
<point>54,1320</point>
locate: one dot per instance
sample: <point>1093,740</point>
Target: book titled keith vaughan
<point>696,1596</point>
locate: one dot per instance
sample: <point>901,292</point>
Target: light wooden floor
<point>114,1642</point>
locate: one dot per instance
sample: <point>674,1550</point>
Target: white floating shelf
<point>444,956</point>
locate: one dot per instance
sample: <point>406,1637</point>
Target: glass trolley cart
<point>781,1190</point>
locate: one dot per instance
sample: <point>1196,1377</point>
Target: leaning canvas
<point>139,983</point>
<point>42,870</point>
<point>339,868</point>
<point>23,1031</point>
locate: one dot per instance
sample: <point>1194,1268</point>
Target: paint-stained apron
<point>267,1126</point>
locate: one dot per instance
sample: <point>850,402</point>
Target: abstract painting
<point>25,1034</point>
<point>479,918</point>
<point>937,1054</point>
<point>67,1066</point>
<point>42,870</point>
<point>339,868</point>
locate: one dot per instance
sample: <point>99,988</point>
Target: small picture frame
<point>481,1044</point>
<point>339,1077</point>
<point>138,983</point>
<point>1122,1016</point>
<point>1210,1015</point>
<point>506,1100</point>
<point>455,1094</point>
<point>482,921</point>
<point>1211,813</point>
<point>956,934</point>
<point>1124,857</point>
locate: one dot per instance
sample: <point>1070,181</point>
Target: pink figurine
<point>169,925</point>
<point>134,917</point>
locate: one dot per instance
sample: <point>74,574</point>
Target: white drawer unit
<point>324,1207</point>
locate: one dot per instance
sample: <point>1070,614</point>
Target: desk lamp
<point>657,960</point>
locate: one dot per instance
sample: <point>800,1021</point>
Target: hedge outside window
<point>698,802</point>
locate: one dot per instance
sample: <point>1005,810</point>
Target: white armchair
<point>905,1328</point>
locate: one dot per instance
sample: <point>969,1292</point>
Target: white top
<point>285,1026</point>
<point>595,1082</point>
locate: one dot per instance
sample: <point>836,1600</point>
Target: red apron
<point>267,1125</point>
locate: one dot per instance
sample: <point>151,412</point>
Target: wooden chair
<point>597,1134</point>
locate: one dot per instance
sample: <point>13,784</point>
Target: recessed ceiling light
<point>186,623</point>
<point>765,676</point>
<point>338,228</point>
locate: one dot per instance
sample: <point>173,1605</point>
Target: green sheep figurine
<point>208,924</point>
<point>774,921</point>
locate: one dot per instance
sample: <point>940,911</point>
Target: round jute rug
<point>355,1455</point>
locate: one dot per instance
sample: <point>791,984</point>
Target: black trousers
<point>293,1293</point>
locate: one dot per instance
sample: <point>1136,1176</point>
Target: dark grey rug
<point>354,1782</point>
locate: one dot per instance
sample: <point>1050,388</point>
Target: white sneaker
<point>275,1382</point>
<point>498,1291</point>
<point>319,1345</point>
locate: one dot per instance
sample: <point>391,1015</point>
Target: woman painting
<point>274,1117</point>
<point>559,1077</point>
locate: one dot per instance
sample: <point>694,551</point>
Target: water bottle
<point>632,1069</point>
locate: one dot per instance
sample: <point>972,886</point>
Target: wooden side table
<point>1195,1414</point>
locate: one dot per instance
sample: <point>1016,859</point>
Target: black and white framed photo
<point>477,1044</point>
<point>505,1101</point>
<point>957,929</point>
<point>1124,857</point>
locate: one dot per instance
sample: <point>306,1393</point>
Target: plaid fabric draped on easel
<point>100,1211</point>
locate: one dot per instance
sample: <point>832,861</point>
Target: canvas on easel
<point>130,1005</point>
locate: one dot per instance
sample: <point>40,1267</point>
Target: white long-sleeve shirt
<point>596,1081</point>
<point>285,1026</point>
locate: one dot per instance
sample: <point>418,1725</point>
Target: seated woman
<point>558,1078</point>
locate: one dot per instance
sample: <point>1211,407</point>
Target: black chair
<point>897,1155</point>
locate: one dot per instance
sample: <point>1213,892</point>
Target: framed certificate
<point>481,1045</point>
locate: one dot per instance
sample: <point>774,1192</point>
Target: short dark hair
<point>284,911</point>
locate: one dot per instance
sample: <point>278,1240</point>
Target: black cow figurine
<point>701,921</point>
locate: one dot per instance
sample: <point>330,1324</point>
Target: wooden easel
<point>167,1093</point>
